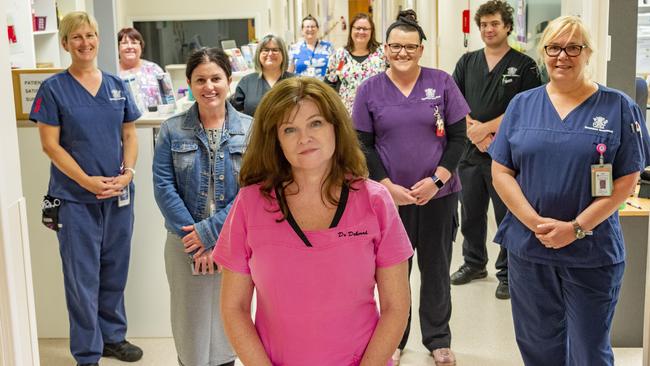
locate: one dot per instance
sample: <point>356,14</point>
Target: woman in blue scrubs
<point>85,120</point>
<point>565,245</point>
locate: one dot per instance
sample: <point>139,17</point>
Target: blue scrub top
<point>552,161</point>
<point>91,128</point>
<point>303,57</point>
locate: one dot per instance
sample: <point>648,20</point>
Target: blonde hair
<point>74,20</point>
<point>567,24</point>
<point>265,163</point>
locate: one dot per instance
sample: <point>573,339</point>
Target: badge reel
<point>440,123</point>
<point>601,175</point>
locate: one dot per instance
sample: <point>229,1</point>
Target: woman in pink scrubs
<point>313,237</point>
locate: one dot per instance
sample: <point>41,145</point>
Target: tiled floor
<point>481,327</point>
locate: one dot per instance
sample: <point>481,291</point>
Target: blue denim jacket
<point>181,169</point>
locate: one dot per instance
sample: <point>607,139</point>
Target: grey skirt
<point>196,323</point>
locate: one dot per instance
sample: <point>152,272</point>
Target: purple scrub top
<point>405,128</point>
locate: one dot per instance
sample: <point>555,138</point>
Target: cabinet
<point>32,47</point>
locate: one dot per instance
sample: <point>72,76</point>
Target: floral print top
<point>310,62</point>
<point>351,73</point>
<point>147,80</point>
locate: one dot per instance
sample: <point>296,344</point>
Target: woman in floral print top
<point>361,58</point>
<point>131,44</point>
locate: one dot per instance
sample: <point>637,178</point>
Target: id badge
<point>311,71</point>
<point>124,199</point>
<point>601,180</point>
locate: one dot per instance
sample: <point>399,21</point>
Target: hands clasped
<point>107,187</point>
<point>203,263</point>
<point>554,234</point>
<point>419,194</point>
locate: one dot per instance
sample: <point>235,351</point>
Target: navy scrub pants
<point>563,315</point>
<point>95,246</point>
<point>432,228</point>
<point>475,199</point>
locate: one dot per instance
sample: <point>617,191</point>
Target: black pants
<point>475,198</point>
<point>432,229</point>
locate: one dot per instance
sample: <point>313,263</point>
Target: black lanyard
<point>343,200</point>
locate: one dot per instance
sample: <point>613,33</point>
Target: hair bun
<point>408,16</point>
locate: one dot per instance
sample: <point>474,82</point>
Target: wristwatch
<point>438,182</point>
<point>579,231</point>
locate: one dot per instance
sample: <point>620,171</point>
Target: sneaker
<point>503,291</point>
<point>396,357</point>
<point>466,274</point>
<point>123,351</point>
<point>444,357</point>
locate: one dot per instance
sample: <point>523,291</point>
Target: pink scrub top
<point>315,305</point>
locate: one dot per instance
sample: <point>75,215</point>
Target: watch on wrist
<point>577,229</point>
<point>438,182</point>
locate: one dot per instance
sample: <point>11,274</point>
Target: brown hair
<point>130,33</point>
<point>493,7</point>
<point>372,43</point>
<point>283,51</point>
<point>406,21</point>
<point>265,163</point>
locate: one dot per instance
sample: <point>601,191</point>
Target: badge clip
<point>440,123</point>
<point>601,175</point>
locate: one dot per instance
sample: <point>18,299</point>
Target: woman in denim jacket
<point>196,164</point>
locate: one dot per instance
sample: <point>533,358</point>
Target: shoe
<point>466,274</point>
<point>123,351</point>
<point>396,357</point>
<point>444,357</point>
<point>503,291</point>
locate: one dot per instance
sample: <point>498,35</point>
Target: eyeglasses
<point>361,29</point>
<point>397,47</point>
<point>129,43</point>
<point>270,50</point>
<point>572,50</point>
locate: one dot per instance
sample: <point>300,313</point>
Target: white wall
<point>18,343</point>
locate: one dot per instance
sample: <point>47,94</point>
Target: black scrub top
<point>250,90</point>
<point>488,92</point>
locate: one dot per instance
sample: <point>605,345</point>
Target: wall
<point>18,343</point>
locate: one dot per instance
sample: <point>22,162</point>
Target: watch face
<point>580,234</point>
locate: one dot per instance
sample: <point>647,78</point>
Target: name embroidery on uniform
<point>511,72</point>
<point>599,124</point>
<point>430,94</point>
<point>343,234</point>
<point>116,94</point>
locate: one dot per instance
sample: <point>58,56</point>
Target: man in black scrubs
<point>488,78</point>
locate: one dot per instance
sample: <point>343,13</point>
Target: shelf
<point>45,32</point>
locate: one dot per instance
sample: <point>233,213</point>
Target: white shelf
<point>46,32</point>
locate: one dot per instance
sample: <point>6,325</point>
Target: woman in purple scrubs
<point>411,120</point>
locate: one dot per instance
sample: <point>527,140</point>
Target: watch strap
<point>438,182</point>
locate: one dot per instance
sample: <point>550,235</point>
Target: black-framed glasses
<point>397,47</point>
<point>270,50</point>
<point>362,29</point>
<point>572,50</point>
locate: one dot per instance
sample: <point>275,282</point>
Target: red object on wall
<point>466,21</point>
<point>11,31</point>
